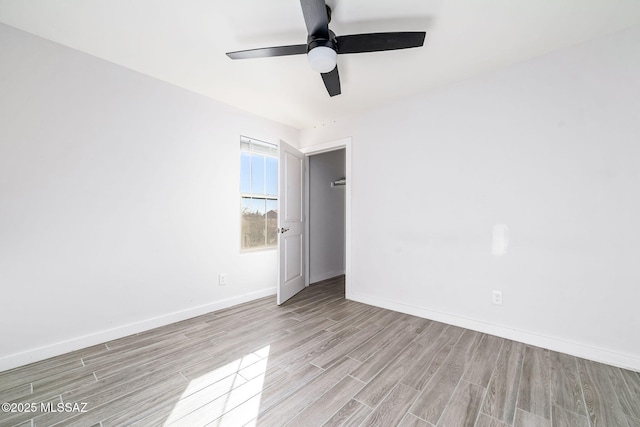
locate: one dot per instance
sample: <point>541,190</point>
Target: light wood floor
<point>320,360</point>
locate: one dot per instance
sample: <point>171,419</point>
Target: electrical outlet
<point>222,279</point>
<point>497,297</point>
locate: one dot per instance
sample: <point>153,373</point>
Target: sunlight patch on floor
<point>215,397</point>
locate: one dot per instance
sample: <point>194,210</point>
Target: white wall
<point>326,216</point>
<point>549,147</point>
<point>119,201</point>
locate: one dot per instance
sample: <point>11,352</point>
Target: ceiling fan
<point>323,46</point>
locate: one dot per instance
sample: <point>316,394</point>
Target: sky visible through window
<point>258,175</point>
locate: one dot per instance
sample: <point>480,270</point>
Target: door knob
<point>283,230</point>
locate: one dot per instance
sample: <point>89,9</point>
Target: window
<point>258,194</point>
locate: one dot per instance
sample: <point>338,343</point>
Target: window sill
<point>256,250</point>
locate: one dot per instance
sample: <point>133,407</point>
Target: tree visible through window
<point>258,193</point>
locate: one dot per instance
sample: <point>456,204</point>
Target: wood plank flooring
<point>318,360</point>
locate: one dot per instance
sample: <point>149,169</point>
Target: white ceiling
<point>184,42</point>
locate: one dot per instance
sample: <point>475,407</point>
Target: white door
<point>291,239</point>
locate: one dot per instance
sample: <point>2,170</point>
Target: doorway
<point>328,212</point>
<point>294,208</point>
<point>326,215</point>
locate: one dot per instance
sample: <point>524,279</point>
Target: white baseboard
<point>609,357</point>
<point>23,358</point>
<point>319,277</point>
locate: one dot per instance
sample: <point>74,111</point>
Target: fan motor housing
<point>316,42</point>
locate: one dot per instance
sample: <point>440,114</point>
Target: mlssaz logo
<point>64,407</point>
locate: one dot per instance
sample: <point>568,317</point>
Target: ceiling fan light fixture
<point>323,46</point>
<point>322,59</point>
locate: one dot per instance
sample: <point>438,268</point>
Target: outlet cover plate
<point>497,297</point>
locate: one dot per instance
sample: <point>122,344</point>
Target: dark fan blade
<point>315,17</point>
<point>296,49</point>
<point>376,42</point>
<point>332,82</point>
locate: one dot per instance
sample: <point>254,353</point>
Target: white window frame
<point>261,148</point>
